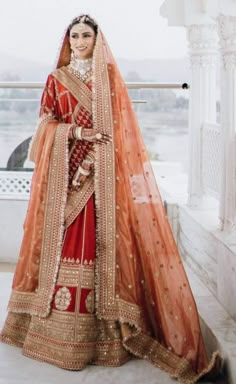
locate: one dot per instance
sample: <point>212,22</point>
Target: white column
<point>227,33</point>
<point>203,39</point>
<point>203,56</point>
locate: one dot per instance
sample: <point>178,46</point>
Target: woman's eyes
<point>77,36</point>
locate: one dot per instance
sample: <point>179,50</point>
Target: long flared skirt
<point>71,336</point>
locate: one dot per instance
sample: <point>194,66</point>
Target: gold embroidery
<point>78,89</point>
<point>62,298</point>
<point>70,275</point>
<point>89,302</point>
<point>77,201</point>
<point>53,340</point>
<point>107,305</point>
<point>144,346</point>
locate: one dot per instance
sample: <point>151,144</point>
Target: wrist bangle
<point>78,131</point>
<point>72,132</point>
<point>83,171</point>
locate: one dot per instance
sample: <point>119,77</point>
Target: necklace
<point>81,68</point>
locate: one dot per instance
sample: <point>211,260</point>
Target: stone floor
<point>17,369</point>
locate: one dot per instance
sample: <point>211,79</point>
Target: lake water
<point>165,136</point>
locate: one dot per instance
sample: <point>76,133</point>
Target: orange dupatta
<point>140,276</point>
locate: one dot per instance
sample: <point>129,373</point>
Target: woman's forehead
<point>81,28</point>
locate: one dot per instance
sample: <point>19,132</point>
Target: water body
<point>165,136</point>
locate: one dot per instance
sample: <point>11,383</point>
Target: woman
<point>99,278</point>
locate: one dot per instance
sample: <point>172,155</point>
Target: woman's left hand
<point>81,180</point>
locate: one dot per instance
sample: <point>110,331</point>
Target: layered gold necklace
<point>81,68</point>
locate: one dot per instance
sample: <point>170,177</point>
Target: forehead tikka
<point>81,25</point>
<point>84,19</point>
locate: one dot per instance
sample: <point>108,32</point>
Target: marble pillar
<point>227,34</point>
<point>203,43</point>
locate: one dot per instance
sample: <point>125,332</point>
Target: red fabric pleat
<point>80,236</point>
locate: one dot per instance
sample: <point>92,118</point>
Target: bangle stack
<point>76,132</point>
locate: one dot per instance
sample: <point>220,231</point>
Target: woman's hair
<point>86,19</point>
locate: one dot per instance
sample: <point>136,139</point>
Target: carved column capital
<point>202,37</point>
<point>227,34</point>
<point>203,43</point>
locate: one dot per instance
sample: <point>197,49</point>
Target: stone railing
<point>15,185</point>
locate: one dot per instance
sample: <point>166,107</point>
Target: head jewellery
<point>83,19</point>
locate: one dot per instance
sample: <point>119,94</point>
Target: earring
<point>72,57</point>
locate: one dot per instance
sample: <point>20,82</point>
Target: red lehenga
<point>99,277</point>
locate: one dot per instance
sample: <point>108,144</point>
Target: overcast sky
<point>133,28</point>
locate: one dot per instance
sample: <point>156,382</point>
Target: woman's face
<point>82,40</point>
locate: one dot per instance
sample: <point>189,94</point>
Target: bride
<point>99,278</point>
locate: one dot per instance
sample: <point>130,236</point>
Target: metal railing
<point>130,85</point>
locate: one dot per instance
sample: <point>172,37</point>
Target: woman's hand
<point>92,136</point>
<point>80,176</point>
<point>81,180</point>
<point>95,137</point>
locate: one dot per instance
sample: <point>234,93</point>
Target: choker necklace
<point>81,68</point>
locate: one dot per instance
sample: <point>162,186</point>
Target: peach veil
<point>140,279</point>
